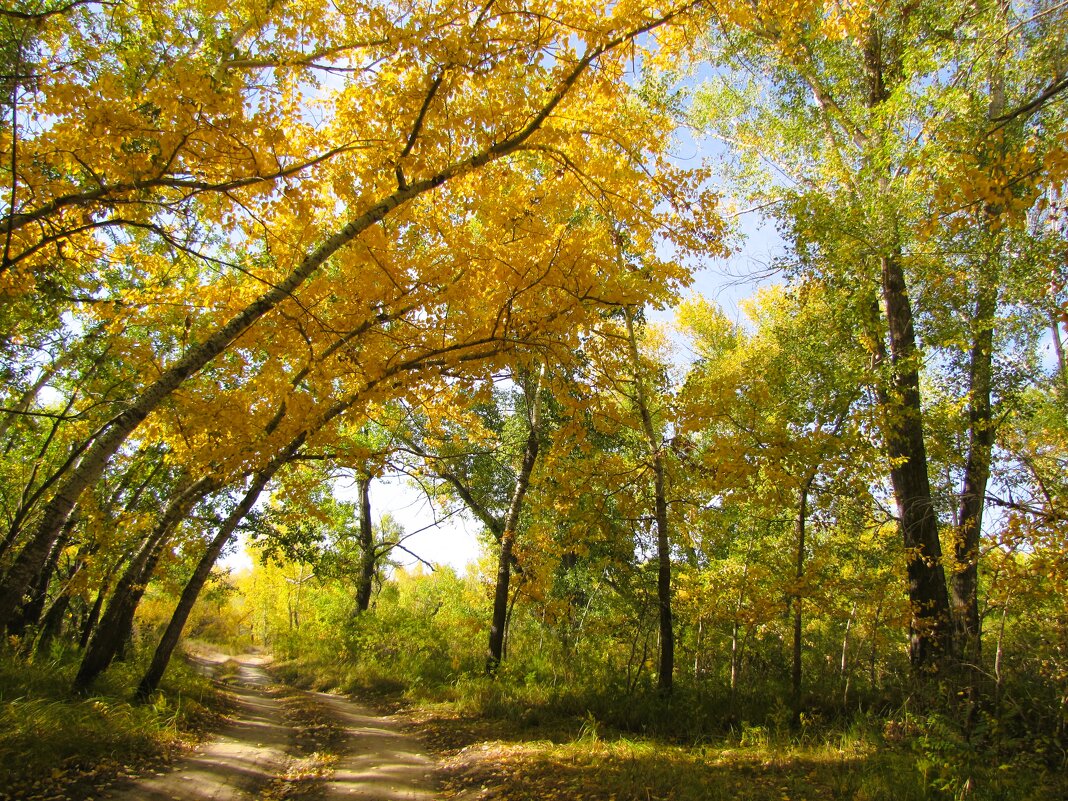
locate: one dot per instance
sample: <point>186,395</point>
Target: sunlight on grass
<point>754,763</point>
<point>625,769</point>
<point>50,739</point>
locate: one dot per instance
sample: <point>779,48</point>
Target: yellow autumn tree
<point>340,201</point>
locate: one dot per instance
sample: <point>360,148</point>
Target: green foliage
<point>576,685</point>
<point>424,632</point>
<point>880,138</point>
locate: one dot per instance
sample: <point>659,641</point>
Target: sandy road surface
<point>376,760</point>
<point>382,763</point>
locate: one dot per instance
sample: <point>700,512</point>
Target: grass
<point>54,744</point>
<point>521,739</point>
<point>754,764</point>
<point>623,769</point>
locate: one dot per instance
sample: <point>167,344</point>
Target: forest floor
<point>496,760</point>
<point>280,743</point>
<point>487,758</point>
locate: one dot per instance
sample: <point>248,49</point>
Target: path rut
<point>382,764</point>
<point>376,761</point>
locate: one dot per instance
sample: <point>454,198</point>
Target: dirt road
<point>265,753</point>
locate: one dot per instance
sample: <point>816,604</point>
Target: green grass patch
<point>750,767</point>
<point>529,739</point>
<point>368,680</point>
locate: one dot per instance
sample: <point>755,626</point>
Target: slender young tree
<point>532,388</point>
<point>654,446</point>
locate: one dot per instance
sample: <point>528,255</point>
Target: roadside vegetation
<point>553,725</point>
<point>54,746</point>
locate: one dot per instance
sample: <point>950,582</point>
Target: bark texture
<point>367,546</point>
<point>930,627</point>
<point>499,621</point>
<point>965,581</point>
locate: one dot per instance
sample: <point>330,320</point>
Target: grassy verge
<point>507,739</point>
<point>507,759</point>
<point>622,769</point>
<point>54,745</point>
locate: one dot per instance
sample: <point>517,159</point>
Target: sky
<point>452,541</point>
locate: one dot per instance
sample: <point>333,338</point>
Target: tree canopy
<point>251,247</point>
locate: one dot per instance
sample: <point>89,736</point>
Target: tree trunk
<point>1058,347</point>
<point>799,572</point>
<point>665,680</point>
<point>500,603</point>
<point>981,431</point>
<point>116,625</point>
<point>196,582</point>
<point>29,613</point>
<point>297,592</point>
<point>51,624</point>
<point>965,581</point>
<point>736,652</point>
<point>508,620</point>
<point>89,624</point>
<point>663,542</point>
<point>367,546</point>
<point>930,627</point>
<point>697,648</point>
<point>735,655</point>
<point>844,665</point>
<point>495,652</point>
<point>997,660</point>
<point>874,652</point>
